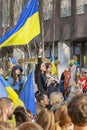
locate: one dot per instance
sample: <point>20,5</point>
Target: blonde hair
<point>4,103</point>
<point>62,116</point>
<point>56,97</point>
<point>46,119</point>
<point>30,126</point>
<point>7,126</point>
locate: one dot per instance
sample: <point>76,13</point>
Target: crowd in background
<point>61,104</point>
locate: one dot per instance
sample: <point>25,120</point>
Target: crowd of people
<point>60,104</point>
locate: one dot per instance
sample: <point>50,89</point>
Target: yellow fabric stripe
<point>12,95</point>
<point>30,29</point>
<point>53,68</point>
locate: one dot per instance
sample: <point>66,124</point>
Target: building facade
<point>65,25</point>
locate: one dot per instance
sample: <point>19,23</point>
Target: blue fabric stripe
<point>51,58</point>
<point>30,9</point>
<point>3,84</point>
<point>3,81</point>
<point>27,94</point>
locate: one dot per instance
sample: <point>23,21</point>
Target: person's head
<point>21,115</point>
<point>6,108</point>
<point>56,97</point>
<point>42,98</point>
<point>16,70</point>
<point>48,68</point>
<point>7,126</point>
<point>62,117</point>
<point>30,126</point>
<point>77,110</point>
<point>84,72</point>
<point>43,67</point>
<point>46,119</point>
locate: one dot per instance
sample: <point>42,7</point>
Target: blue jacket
<point>17,85</point>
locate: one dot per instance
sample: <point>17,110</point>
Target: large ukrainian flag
<point>26,28</point>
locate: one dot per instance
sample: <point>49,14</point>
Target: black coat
<point>42,82</point>
<point>40,78</point>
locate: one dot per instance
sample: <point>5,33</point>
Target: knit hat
<point>17,67</point>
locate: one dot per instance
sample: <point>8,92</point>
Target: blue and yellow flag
<point>7,91</point>
<point>26,28</point>
<point>54,71</point>
<point>27,94</point>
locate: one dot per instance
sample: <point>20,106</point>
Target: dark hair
<point>62,76</point>
<point>77,110</point>
<point>47,65</point>
<point>17,67</point>
<point>39,96</point>
<point>13,74</point>
<point>21,115</point>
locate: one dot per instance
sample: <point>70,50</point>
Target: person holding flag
<point>7,91</point>
<point>16,80</point>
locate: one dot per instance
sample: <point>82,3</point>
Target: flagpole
<point>42,25</point>
<point>53,25</point>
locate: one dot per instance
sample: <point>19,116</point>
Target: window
<point>17,9</point>
<point>4,13</point>
<point>48,9</point>
<point>8,13</point>
<point>81,6</point>
<point>65,8</point>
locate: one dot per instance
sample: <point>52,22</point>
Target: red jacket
<point>84,83</point>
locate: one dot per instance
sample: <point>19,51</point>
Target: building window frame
<point>4,14</point>
<point>81,7</point>
<point>47,9</point>
<point>65,8</point>
<point>18,5</point>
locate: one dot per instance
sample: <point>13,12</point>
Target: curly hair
<point>21,115</point>
<point>77,110</point>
